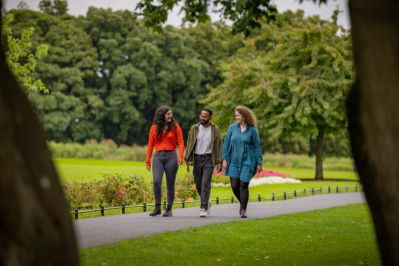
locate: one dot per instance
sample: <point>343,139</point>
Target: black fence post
<point>312,191</point>
<point>164,205</point>
<point>329,189</point>
<point>346,189</point>
<point>123,209</point>
<point>76,214</point>
<point>304,191</point>
<point>273,198</point>
<point>337,189</point>
<point>321,190</point>
<point>144,207</point>
<point>295,193</point>
<point>356,188</point>
<point>217,200</point>
<point>285,196</point>
<point>182,203</point>
<point>259,198</point>
<point>102,211</point>
<point>232,199</point>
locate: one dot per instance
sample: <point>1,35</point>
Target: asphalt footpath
<point>99,231</point>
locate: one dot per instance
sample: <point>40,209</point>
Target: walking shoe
<point>243,213</point>
<point>167,213</point>
<point>156,211</point>
<point>203,213</point>
<point>209,207</point>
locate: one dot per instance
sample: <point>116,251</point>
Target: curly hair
<point>247,114</point>
<point>159,120</point>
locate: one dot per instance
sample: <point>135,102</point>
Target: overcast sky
<point>79,7</point>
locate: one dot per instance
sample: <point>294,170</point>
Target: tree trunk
<point>35,226</point>
<point>319,152</point>
<point>373,113</point>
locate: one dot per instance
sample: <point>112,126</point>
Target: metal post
<point>217,200</point>
<point>356,188</point>
<point>123,209</point>
<point>182,203</point>
<point>346,189</point>
<point>273,198</point>
<point>295,193</point>
<point>76,214</point>
<point>232,199</point>
<point>102,211</point>
<point>164,205</point>
<point>304,191</point>
<point>312,191</point>
<point>285,196</point>
<point>337,189</point>
<point>144,207</point>
<point>329,189</point>
<point>259,198</point>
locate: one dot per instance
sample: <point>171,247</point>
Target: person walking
<point>165,135</point>
<point>242,154</point>
<point>204,150</point>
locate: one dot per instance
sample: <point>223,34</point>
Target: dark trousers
<point>203,170</point>
<point>164,162</point>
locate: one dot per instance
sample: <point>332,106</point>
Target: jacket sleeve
<point>151,144</point>
<point>180,142</point>
<point>218,144</point>
<point>188,144</point>
<point>257,148</point>
<point>226,145</point>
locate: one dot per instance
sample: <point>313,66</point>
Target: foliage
<point>185,188</point>
<point>20,56</point>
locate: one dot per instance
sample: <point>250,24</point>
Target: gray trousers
<point>203,170</point>
<point>164,162</point>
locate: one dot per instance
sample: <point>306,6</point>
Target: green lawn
<point>338,236</point>
<point>88,169</point>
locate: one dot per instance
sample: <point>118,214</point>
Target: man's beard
<point>204,122</point>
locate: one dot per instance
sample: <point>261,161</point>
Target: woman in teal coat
<point>242,154</point>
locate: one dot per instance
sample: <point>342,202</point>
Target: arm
<point>151,144</point>
<point>226,145</point>
<point>180,144</point>
<point>188,144</point>
<point>257,148</point>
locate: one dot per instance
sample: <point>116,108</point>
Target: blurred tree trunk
<point>35,226</point>
<point>373,112</point>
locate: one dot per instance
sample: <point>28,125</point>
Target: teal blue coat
<point>242,152</point>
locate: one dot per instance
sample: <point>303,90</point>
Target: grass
<point>337,236</point>
<point>89,169</point>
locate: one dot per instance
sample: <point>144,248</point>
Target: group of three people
<point>240,156</point>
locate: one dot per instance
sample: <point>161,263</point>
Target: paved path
<point>109,229</point>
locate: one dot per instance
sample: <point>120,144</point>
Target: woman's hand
<point>180,162</point>
<point>258,168</point>
<point>224,165</point>
<point>148,167</point>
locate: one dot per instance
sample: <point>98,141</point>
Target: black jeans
<point>164,162</point>
<point>203,170</point>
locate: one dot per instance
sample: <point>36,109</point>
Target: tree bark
<point>319,152</point>
<point>35,226</point>
<point>373,114</point>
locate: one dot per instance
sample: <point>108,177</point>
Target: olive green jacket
<point>216,144</point>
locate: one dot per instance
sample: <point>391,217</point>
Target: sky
<point>79,7</point>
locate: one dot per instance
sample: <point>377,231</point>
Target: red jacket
<point>168,141</point>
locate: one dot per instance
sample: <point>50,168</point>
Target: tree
<point>372,106</point>
<point>22,5</point>
<point>54,7</point>
<point>21,59</point>
<point>35,223</point>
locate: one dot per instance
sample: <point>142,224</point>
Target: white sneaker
<point>203,213</point>
<point>209,206</point>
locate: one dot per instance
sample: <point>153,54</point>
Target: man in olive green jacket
<point>204,150</point>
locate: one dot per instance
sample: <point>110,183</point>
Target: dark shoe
<point>243,213</point>
<point>155,212</point>
<point>167,213</point>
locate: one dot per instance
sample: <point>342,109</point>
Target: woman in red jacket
<point>165,135</point>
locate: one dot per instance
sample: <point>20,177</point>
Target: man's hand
<point>188,165</point>
<point>224,165</point>
<point>219,167</point>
